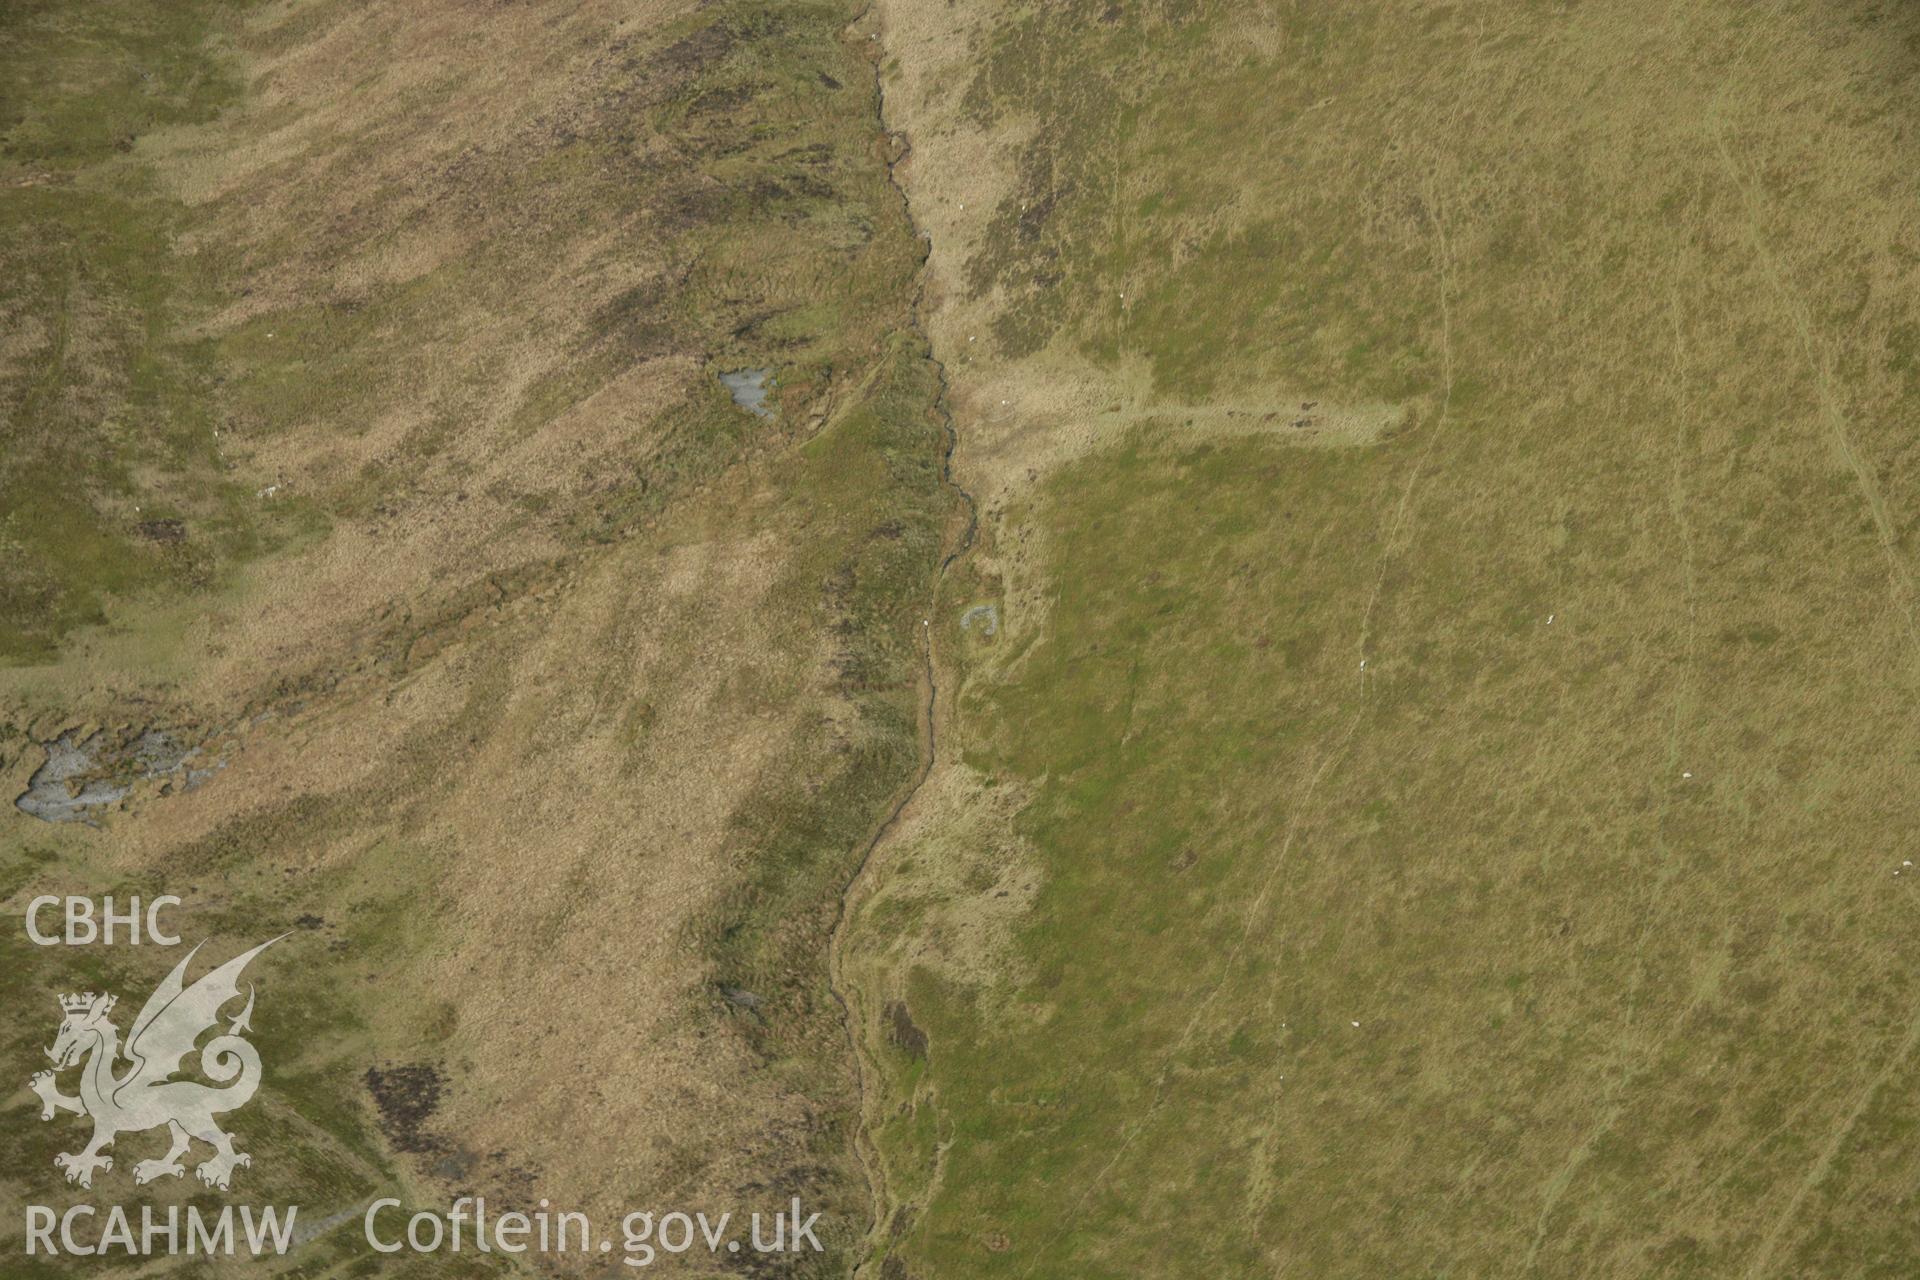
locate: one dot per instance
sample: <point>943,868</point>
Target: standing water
<point>748,387</point>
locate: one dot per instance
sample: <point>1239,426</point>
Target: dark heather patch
<point>162,530</point>
<point>407,1097</point>
<point>903,1032</point>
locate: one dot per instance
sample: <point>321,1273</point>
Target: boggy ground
<point>364,433</point>
<point>1437,797</point>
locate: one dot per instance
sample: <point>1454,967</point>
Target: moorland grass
<point>1472,853</point>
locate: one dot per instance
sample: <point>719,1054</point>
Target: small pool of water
<point>82,776</point>
<point>987,615</point>
<point>748,387</point>
<point>48,795</point>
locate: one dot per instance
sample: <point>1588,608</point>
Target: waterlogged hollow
<point>83,775</point>
<point>748,387</point>
<point>49,795</point>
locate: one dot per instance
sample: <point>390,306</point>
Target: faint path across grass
<point>1901,594</point>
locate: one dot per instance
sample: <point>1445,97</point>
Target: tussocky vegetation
<point>1387,754</point>
<point>365,435</point>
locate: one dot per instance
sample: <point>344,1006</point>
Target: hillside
<point>546,696</point>
<point>1433,800</point>
<point>1126,638</point>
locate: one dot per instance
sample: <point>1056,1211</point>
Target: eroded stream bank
<point>897,148</point>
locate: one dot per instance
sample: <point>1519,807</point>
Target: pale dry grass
<point>449,690</point>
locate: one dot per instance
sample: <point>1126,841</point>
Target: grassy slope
<point>106,401</point>
<point>476,781</point>
<point>1599,850</point>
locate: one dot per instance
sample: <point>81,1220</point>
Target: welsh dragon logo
<point>145,1096</point>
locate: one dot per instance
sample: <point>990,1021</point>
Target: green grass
<point>1651,324</point>
<point>863,578</point>
<point>106,402</point>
